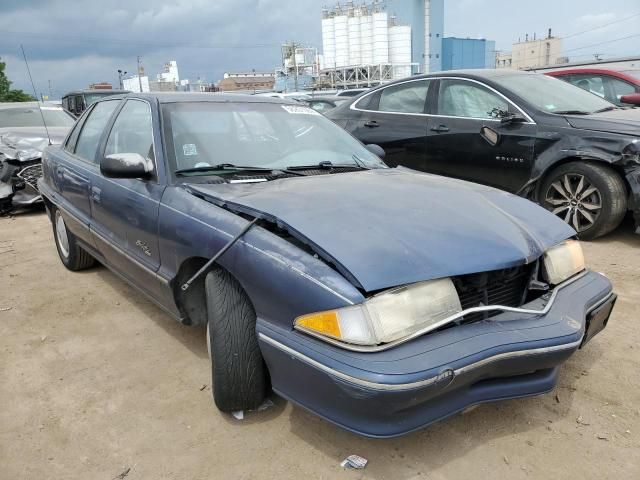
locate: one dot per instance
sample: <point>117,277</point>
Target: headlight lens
<point>388,316</point>
<point>563,261</point>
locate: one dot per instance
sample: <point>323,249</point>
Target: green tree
<point>6,93</point>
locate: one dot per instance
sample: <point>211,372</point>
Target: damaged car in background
<point>381,299</point>
<point>549,141</point>
<point>23,137</point>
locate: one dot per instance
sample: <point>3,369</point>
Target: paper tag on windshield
<point>300,110</point>
<point>189,149</point>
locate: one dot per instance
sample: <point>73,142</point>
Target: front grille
<point>31,174</point>
<point>499,287</point>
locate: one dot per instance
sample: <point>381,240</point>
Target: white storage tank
<point>400,50</point>
<point>353,26</point>
<point>380,37</point>
<point>366,39</point>
<point>328,42</point>
<point>341,36</point>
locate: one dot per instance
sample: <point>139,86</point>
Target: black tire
<point>610,194</point>
<point>239,374</point>
<point>72,255</point>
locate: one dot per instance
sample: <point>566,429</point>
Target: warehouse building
<point>465,53</point>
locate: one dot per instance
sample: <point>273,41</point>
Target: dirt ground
<point>97,383</point>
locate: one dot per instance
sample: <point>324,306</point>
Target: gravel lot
<point>95,382</point>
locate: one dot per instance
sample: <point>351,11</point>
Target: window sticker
<point>189,149</point>
<point>300,110</point>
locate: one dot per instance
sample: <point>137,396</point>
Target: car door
<point>394,118</point>
<point>467,138</point>
<point>124,210</point>
<point>76,167</point>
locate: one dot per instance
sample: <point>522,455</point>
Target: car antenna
<point>35,94</point>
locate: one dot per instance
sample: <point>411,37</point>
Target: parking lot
<point>97,382</point>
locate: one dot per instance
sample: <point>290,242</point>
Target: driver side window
<point>461,98</point>
<point>132,131</point>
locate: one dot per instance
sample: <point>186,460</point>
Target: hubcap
<point>208,342</point>
<point>61,235</point>
<point>574,199</point>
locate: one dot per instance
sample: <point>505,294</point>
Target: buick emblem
<point>445,378</point>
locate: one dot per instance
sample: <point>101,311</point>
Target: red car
<point>621,87</point>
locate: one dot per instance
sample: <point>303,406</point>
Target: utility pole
<point>121,74</point>
<point>139,73</point>
<point>295,66</point>
<point>50,94</point>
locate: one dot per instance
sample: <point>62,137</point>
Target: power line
<point>603,43</point>
<point>92,40</point>
<point>601,26</point>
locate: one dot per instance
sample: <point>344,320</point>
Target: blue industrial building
<point>462,53</point>
<point>413,13</point>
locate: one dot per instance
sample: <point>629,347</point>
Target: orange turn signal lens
<point>325,323</point>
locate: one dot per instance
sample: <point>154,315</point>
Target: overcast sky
<point>74,43</point>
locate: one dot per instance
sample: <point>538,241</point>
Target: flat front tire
<point>591,198</point>
<point>239,374</point>
<point>72,255</point>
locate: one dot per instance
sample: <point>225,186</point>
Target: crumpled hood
<point>624,121</point>
<point>388,227</point>
<point>27,143</point>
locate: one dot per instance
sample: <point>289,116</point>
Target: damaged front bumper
<point>392,392</point>
<point>633,178</point>
<point>19,184</point>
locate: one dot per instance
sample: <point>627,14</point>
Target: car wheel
<point>72,255</point>
<point>239,374</point>
<point>591,198</point>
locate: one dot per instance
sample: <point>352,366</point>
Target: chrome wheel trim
<point>575,200</point>
<point>61,235</point>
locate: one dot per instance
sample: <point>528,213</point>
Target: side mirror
<point>632,99</point>
<point>125,165</point>
<point>376,150</point>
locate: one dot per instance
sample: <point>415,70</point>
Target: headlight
<point>388,316</point>
<point>563,261</point>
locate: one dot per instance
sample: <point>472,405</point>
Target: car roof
<point>94,91</point>
<point>603,71</point>
<point>476,73</point>
<point>180,97</point>
<point>5,105</point>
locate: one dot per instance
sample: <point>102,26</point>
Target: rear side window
<point>460,98</point>
<point>87,143</point>
<point>409,97</point>
<point>590,83</point>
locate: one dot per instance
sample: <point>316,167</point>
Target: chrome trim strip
<point>445,321</point>
<point>129,257</point>
<point>528,122</point>
<point>422,383</point>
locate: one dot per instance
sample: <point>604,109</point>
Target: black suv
<point>569,150</point>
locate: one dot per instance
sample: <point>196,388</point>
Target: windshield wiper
<point>606,109</point>
<point>572,112</point>
<point>232,167</point>
<point>326,165</point>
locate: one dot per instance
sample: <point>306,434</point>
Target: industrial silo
<point>380,37</point>
<point>400,50</point>
<point>328,40</point>
<point>366,37</point>
<point>341,35</point>
<point>427,35</point>
<point>353,27</point>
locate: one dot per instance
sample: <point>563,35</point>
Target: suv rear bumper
<point>395,391</point>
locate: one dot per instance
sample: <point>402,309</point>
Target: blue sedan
<point>382,299</point>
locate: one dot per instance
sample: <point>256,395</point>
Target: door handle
<point>371,124</point>
<point>440,129</point>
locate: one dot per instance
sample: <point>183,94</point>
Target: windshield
<point>551,94</point>
<point>30,117</point>
<point>264,135</point>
